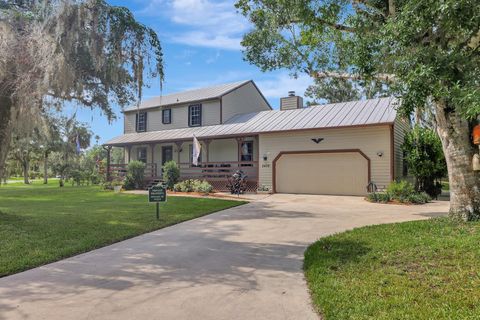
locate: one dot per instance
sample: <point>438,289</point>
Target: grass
<point>414,270</point>
<point>44,223</point>
<point>445,185</point>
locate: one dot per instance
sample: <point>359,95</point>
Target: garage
<point>329,172</point>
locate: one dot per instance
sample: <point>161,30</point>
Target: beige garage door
<point>343,173</point>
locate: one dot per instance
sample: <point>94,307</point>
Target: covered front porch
<point>219,159</point>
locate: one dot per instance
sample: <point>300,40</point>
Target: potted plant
<point>117,185</point>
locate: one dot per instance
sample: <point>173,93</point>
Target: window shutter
<point>200,113</point>
<point>190,116</point>
<point>145,122</point>
<point>136,122</point>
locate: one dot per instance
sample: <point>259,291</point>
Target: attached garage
<point>330,172</point>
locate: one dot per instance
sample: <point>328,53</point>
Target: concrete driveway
<point>241,263</point>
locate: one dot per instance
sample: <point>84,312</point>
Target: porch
<point>219,159</point>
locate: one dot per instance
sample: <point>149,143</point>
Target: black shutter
<point>145,122</point>
<point>136,122</point>
<point>189,116</point>
<point>200,112</point>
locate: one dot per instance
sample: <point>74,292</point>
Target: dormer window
<point>195,115</point>
<point>167,116</point>
<point>141,122</point>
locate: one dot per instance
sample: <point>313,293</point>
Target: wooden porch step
<point>152,182</point>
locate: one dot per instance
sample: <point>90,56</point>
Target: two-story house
<point>327,149</point>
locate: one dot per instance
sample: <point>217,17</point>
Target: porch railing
<point>120,170</point>
<point>218,173</point>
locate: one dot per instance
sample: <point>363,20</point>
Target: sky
<point>201,44</point>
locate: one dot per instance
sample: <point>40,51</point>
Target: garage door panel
<point>322,173</point>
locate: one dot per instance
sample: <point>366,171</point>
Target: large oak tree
<point>83,51</point>
<point>427,50</point>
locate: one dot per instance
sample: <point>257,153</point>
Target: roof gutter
<point>247,134</point>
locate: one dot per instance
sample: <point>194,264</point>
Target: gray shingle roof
<point>189,96</point>
<point>346,114</point>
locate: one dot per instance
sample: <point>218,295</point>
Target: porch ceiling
<point>349,114</point>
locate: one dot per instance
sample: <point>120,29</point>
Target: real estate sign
<point>157,194</point>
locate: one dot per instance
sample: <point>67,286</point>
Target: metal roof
<point>345,114</point>
<point>207,93</point>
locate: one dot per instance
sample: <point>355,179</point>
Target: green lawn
<point>414,270</point>
<point>44,223</point>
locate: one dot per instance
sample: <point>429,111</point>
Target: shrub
<point>192,185</point>
<point>135,178</point>
<point>183,186</point>
<point>379,197</point>
<point>400,190</point>
<point>107,185</point>
<point>418,198</point>
<point>77,177</point>
<point>203,187</point>
<point>425,160</point>
<point>171,173</point>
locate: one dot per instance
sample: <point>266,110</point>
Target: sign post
<point>157,194</point>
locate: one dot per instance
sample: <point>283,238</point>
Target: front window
<point>141,122</point>
<point>142,155</point>
<point>167,116</point>
<point>247,151</point>
<point>195,115</point>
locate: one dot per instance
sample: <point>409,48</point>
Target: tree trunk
<point>45,168</point>
<point>26,169</point>
<point>454,131</point>
<point>5,128</point>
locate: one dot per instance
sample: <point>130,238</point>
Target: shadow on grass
<point>334,253</point>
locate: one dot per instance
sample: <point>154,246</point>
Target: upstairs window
<point>141,122</point>
<point>195,115</point>
<point>167,116</point>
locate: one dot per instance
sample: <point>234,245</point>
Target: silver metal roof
<point>207,93</point>
<point>346,114</point>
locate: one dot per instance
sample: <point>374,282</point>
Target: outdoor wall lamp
<point>265,156</point>
<point>380,153</point>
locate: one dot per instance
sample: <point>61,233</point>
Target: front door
<point>167,154</point>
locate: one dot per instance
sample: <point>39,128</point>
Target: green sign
<point>157,193</point>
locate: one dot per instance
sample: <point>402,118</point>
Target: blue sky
<point>201,43</point>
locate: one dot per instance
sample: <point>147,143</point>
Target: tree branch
<point>375,10</point>
<point>336,26</point>
<point>386,77</point>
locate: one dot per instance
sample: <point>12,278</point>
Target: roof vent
<point>291,102</point>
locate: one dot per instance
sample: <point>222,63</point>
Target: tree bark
<point>454,131</point>
<point>45,168</point>
<point>5,128</point>
<point>26,169</point>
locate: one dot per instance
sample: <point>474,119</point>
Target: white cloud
<point>205,23</point>
<point>204,39</point>
<point>212,59</point>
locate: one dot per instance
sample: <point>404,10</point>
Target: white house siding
<point>245,99</point>
<point>370,140</point>
<point>400,128</point>
<point>210,116</point>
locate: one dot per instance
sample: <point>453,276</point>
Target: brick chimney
<point>291,102</point>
